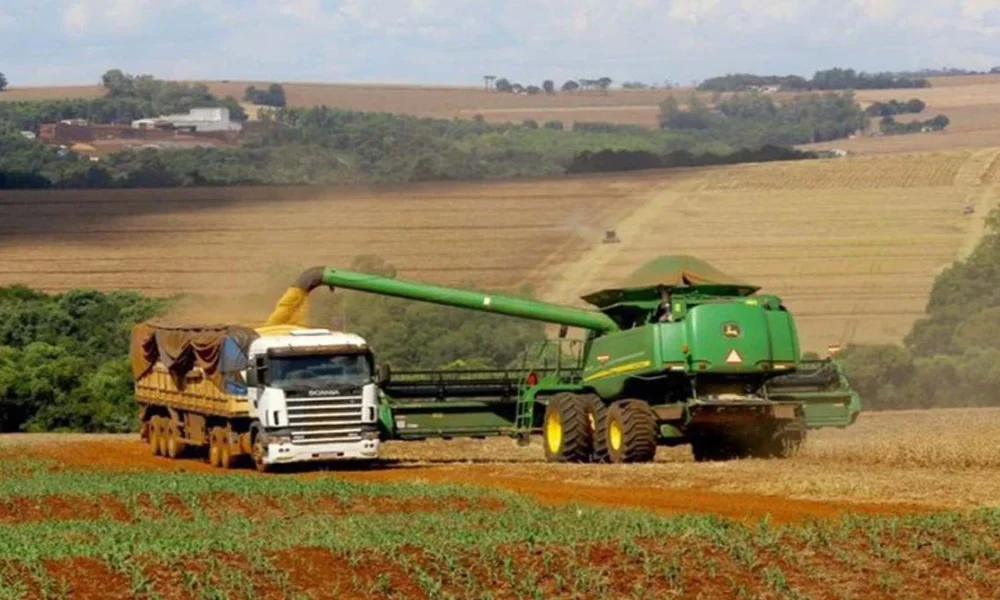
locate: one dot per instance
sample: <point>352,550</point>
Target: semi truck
<point>276,394</point>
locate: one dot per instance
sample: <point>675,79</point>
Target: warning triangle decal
<point>734,358</point>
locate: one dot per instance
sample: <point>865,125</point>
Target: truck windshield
<point>317,371</point>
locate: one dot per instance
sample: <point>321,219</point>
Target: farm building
<point>200,120</point>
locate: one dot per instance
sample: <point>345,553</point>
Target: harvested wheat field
<point>882,510</point>
<point>853,244</point>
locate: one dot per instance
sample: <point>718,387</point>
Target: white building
<point>201,120</point>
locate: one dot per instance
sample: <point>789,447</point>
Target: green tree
<point>549,86</point>
<point>3,82</point>
<point>570,86</point>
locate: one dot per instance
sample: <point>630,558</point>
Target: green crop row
<point>466,553</point>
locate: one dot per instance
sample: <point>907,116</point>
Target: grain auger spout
<point>290,308</point>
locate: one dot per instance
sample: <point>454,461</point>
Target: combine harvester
<point>680,354</point>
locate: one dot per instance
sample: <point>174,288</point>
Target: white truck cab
<point>313,395</point>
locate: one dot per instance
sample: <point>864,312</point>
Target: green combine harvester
<point>680,353</point>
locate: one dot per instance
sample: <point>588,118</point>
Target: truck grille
<point>324,420</point>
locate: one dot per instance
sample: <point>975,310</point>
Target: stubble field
<point>852,245</point>
<point>882,510</point>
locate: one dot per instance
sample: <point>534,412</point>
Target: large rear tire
<point>597,425</point>
<point>565,430</point>
<point>787,440</point>
<point>713,448</point>
<point>631,432</point>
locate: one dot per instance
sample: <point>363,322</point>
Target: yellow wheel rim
<point>592,422</point>
<point>615,435</point>
<point>553,432</point>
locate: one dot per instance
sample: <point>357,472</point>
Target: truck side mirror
<point>260,369</point>
<point>383,373</point>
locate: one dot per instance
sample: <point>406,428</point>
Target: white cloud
<point>779,10</point>
<point>75,18</point>
<point>978,9</point>
<point>692,10</point>
<point>878,10</point>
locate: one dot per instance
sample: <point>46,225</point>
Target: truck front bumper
<point>288,453</point>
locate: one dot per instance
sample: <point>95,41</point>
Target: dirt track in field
<point>635,486</point>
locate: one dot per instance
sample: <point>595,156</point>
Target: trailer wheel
<point>219,451</point>
<point>175,443</point>
<point>565,430</point>
<point>597,426</point>
<point>154,433</point>
<point>631,432</point>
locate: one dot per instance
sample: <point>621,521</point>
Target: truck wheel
<point>631,432</point>
<point>257,453</point>
<point>153,434</point>
<point>597,425</point>
<point>566,433</point>
<point>175,443</point>
<point>225,449</point>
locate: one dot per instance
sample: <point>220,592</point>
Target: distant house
<point>201,120</point>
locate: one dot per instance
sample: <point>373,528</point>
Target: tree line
<point>889,125</point>
<point>951,357</point>
<point>760,119</point>
<point>895,107</point>
<point>505,86</point>
<point>64,359</point>
<point>823,80</point>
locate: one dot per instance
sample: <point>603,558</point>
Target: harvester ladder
<point>538,359</point>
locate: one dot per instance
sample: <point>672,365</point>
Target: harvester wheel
<point>788,439</point>
<point>713,448</point>
<point>154,434</point>
<point>175,443</point>
<point>565,430</point>
<point>597,426</point>
<point>631,432</point>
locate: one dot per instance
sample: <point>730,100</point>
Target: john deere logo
<point>731,330</point>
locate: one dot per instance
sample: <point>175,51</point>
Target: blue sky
<point>457,41</point>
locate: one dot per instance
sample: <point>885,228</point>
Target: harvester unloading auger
<point>680,353</point>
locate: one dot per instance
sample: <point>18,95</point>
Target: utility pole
<point>488,81</point>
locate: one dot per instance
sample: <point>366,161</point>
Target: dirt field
<point>853,244</point>
<point>884,464</point>
<point>881,510</point>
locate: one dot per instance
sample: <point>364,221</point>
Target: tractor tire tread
<point>576,446</point>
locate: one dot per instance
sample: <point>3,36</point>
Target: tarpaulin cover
<point>221,352</point>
